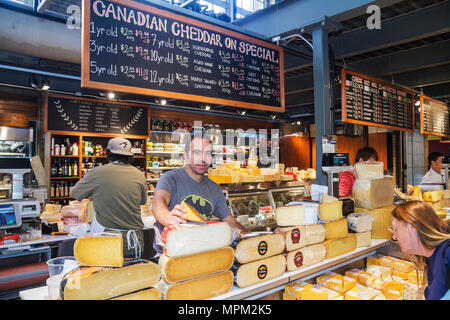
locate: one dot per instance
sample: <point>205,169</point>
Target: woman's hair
<point>431,229</point>
<point>118,157</point>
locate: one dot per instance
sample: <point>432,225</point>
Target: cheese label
<point>298,259</point>
<point>295,235</point>
<point>262,248</point>
<point>262,271</point>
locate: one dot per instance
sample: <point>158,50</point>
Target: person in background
<point>190,184</point>
<point>347,178</point>
<point>434,174</point>
<point>117,190</point>
<point>422,233</point>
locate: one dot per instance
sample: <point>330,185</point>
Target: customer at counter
<point>433,180</point>
<point>347,178</point>
<point>190,184</point>
<point>117,190</point>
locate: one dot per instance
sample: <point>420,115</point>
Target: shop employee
<point>434,174</point>
<point>190,184</point>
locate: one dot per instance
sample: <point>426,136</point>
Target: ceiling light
<point>417,103</point>
<point>298,122</point>
<point>243,112</point>
<point>274,116</point>
<point>33,82</point>
<point>111,95</point>
<point>45,84</point>
<point>207,107</point>
<point>163,102</point>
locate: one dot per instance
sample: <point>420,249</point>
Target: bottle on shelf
<point>74,149</point>
<point>75,168</point>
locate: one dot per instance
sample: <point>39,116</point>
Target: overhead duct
<point>33,36</point>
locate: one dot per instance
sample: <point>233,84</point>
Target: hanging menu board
<point>434,117</point>
<point>131,47</point>
<point>67,114</point>
<point>372,102</point>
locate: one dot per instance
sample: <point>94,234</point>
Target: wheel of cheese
<point>259,271</point>
<point>99,283</point>
<point>259,247</point>
<point>103,250</point>
<point>306,256</point>
<point>146,294</point>
<point>195,265</point>
<point>195,239</point>
<point>300,236</point>
<point>340,246</point>
<point>199,288</point>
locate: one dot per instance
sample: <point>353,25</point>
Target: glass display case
<point>282,197</point>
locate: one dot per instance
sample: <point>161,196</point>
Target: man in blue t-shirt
<point>190,184</point>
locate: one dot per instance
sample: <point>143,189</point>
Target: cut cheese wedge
<point>432,196</point>
<point>195,239</point>
<point>290,216</point>
<point>375,193</point>
<point>336,229</point>
<point>146,294</point>
<point>327,199</point>
<point>305,256</point>
<point>259,271</point>
<point>369,170</point>
<point>360,222</point>
<point>259,247</point>
<point>381,221</point>
<point>340,246</point>
<point>98,283</point>
<point>301,236</point>
<point>315,293</point>
<point>191,213</point>
<point>359,292</point>
<point>295,289</point>
<point>199,288</point>
<point>363,239</point>
<point>102,250</point>
<point>195,265</point>
<point>330,211</point>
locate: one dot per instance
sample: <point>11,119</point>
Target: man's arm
<point>160,209</point>
<point>233,223</point>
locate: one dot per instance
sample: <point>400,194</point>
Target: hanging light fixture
<point>45,84</point>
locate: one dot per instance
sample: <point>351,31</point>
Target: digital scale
<point>334,163</point>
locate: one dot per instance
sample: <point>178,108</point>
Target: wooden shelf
<point>64,178</point>
<point>67,156</point>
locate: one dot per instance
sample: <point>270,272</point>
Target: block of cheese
<point>393,294</point>
<point>382,218</point>
<point>386,261</point>
<point>360,221</point>
<point>374,259</point>
<point>416,276</point>
<point>295,289</point>
<point>52,208</point>
<point>368,170</point>
<point>252,248</point>
<point>310,211</point>
<point>290,216</point>
<point>99,283</point>
<point>220,179</point>
<point>375,193</point>
<point>353,273</point>
<point>175,269</point>
<point>404,266</point>
<point>376,283</point>
<point>323,281</point>
<point>397,284</point>
<point>400,274</point>
<point>190,239</point>
<point>363,278</point>
<point>363,239</point>
<point>146,294</point>
<point>340,246</point>
<point>379,272</point>
<point>314,294</point>
<point>432,196</point>
<point>332,295</point>
<point>305,256</point>
<point>287,296</point>
<point>329,274</point>
<point>259,271</point>
<point>101,250</point>
<point>301,236</point>
<point>341,284</point>
<point>336,229</point>
<point>411,292</point>
<point>201,288</point>
<point>446,194</point>
<point>327,199</point>
<point>51,217</point>
<point>191,213</point>
<point>330,211</point>
<point>360,292</point>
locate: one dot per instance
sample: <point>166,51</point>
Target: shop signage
<point>131,47</point>
<point>372,102</point>
<point>434,117</point>
<point>70,114</point>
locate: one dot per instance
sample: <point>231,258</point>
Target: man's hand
<point>176,216</point>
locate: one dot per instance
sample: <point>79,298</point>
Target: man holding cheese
<point>189,185</point>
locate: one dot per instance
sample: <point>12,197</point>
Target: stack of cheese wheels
<point>196,261</point>
<point>258,258</point>
<point>338,239</point>
<point>105,275</point>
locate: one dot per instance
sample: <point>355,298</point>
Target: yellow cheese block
<point>195,265</point>
<point>393,294</point>
<point>432,196</point>
<point>376,283</point>
<point>51,217</point>
<point>340,246</point>
<point>382,219</point>
<point>360,292</point>
<point>328,199</point>
<point>258,247</point>
<point>369,170</point>
<point>295,289</point>
<point>375,193</point>
<point>336,229</point>
<point>330,211</point>
<point>411,292</point>
<point>290,215</point>
<point>379,272</point>
<point>199,288</point>
<point>397,284</point>
<point>329,274</point>
<point>259,271</point>
<point>363,239</point>
<point>445,194</point>
<point>314,294</point>
<point>305,256</point>
<point>363,278</point>
<point>301,236</point>
<point>220,179</point>
<point>323,281</point>
<point>191,213</point>
<point>404,266</point>
<point>353,273</point>
<point>103,250</point>
<point>146,294</point>
<point>374,259</point>
<point>287,296</point>
<point>332,295</point>
<point>400,274</point>
<point>52,208</point>
<point>386,261</point>
<point>98,283</point>
<point>340,284</point>
<point>416,276</point>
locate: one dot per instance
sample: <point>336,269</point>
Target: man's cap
<point>120,146</point>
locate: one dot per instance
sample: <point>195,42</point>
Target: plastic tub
<point>61,265</point>
<point>53,286</point>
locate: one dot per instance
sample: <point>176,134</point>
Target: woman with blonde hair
<point>419,231</point>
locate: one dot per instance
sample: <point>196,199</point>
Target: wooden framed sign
<point>434,117</point>
<point>131,47</point>
<point>71,114</point>
<point>372,102</point>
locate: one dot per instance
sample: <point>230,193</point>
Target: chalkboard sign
<point>372,102</point>
<point>93,116</point>
<point>434,117</point>
<point>136,48</point>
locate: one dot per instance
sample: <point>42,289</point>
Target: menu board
<point>131,47</point>
<point>95,116</point>
<point>373,102</point>
<point>434,117</point>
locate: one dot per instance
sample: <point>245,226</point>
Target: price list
<point>435,117</point>
<point>137,48</point>
<point>373,102</point>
